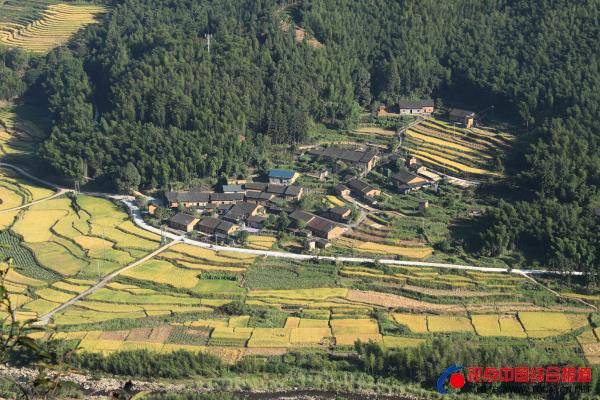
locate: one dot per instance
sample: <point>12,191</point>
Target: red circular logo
<point>457,380</point>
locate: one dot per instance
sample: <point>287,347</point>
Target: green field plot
<point>225,336</point>
<point>164,272</point>
<point>57,258</point>
<point>24,261</point>
<point>120,296</point>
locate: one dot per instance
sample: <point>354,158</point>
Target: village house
<point>293,193</point>
<point>256,221</point>
<point>187,199</point>
<point>226,198</point>
<point>242,211</point>
<point>341,190</point>
<point>318,226</point>
<point>183,222</point>
<point>363,160</point>
<point>256,186</point>
<point>339,214</point>
<point>232,189</point>
<point>362,189</point>
<point>283,176</point>
<point>407,182</point>
<point>254,196</point>
<point>325,229</point>
<point>216,226</point>
<point>465,117</point>
<point>416,107</point>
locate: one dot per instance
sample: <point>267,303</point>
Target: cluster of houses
<point>426,107</point>
<point>242,206</point>
<point>362,160</point>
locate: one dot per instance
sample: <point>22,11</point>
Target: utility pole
<point>163,235</point>
<point>208,37</point>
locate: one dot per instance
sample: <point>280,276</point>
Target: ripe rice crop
<point>14,276</point>
<point>439,323</point>
<point>305,336</point>
<point>354,326</point>
<point>270,337</point>
<point>301,294</point>
<point>416,323</point>
<point>376,131</point>
<point>313,323</point>
<point>41,306</point>
<point>9,199</point>
<point>34,225</point>
<point>440,142</point>
<point>542,324</point>
<point>7,219</point>
<point>69,287</point>
<point>292,322</point>
<point>453,164</point>
<point>494,325</point>
<point>56,26</point>
<point>378,248</point>
<point>577,320</point>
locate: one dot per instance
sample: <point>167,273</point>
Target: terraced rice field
<point>64,247</point>
<point>54,26</point>
<point>456,151</point>
<point>417,252</point>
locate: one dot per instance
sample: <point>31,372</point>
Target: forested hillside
<point>142,87</point>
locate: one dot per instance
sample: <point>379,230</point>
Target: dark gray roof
<point>337,153</point>
<point>293,190</point>
<point>299,215</point>
<point>182,219</point>
<point>321,225</point>
<point>253,194</point>
<point>187,197</point>
<point>232,188</point>
<point>460,113</point>
<point>276,189</point>
<point>337,210</point>
<point>224,226</point>
<point>340,187</point>
<point>241,210</point>
<point>412,104</point>
<point>257,219</point>
<point>226,197</point>
<point>209,223</point>
<point>260,186</point>
<point>357,185</point>
<point>404,176</point>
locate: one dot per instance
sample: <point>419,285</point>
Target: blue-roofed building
<point>282,176</point>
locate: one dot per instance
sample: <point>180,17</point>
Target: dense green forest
<point>143,88</point>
